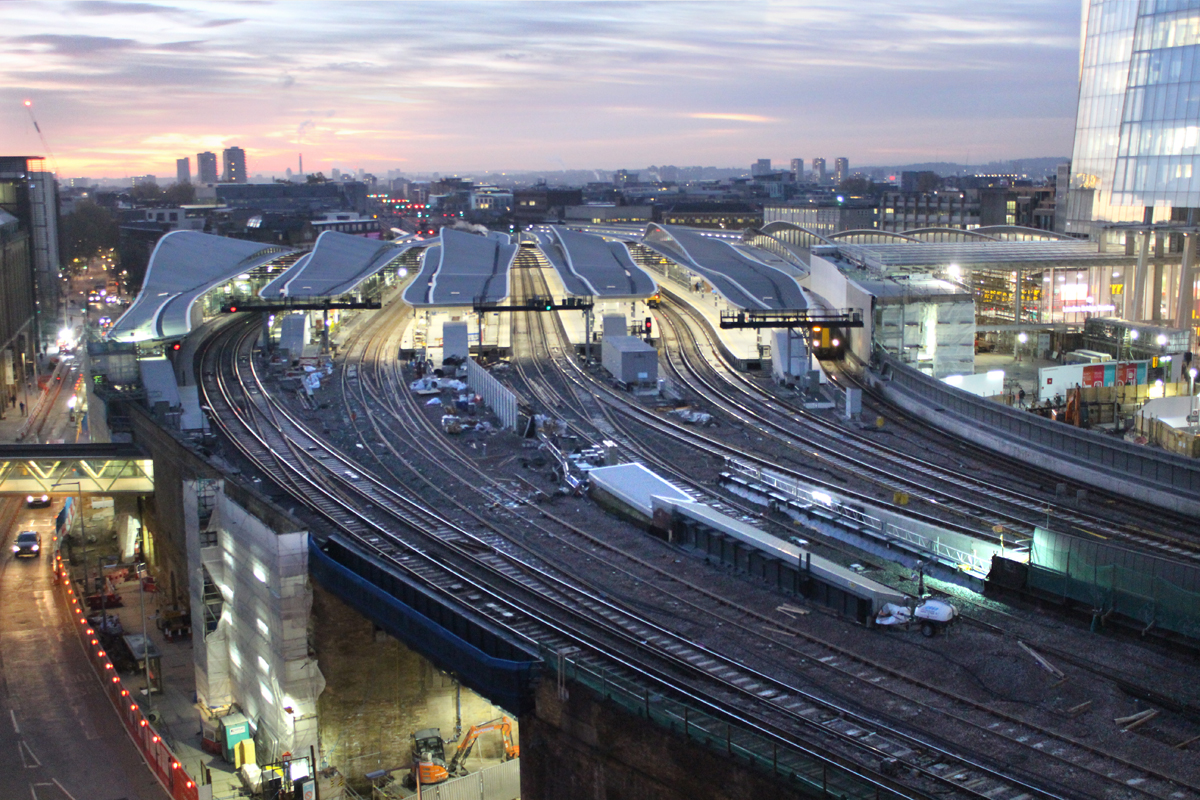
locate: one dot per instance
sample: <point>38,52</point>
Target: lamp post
<point>1192,395</point>
<point>145,637</point>
<point>82,532</point>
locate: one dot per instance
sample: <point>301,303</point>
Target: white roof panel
<point>183,266</point>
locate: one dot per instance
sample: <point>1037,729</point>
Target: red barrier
<point>158,756</point>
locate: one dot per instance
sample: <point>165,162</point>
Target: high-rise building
<point>30,259</point>
<point>183,170</point>
<point>233,164</point>
<point>798,168</point>
<point>1137,144</point>
<point>1136,158</point>
<point>143,180</point>
<point>761,167</point>
<point>818,170</point>
<point>841,170</point>
<point>206,167</point>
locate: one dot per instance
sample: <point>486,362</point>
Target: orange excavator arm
<point>503,725</point>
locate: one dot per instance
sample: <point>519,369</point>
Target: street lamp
<point>1022,338</point>
<point>1192,395</point>
<point>82,532</point>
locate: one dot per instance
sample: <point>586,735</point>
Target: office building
<point>29,262</point>
<point>798,169</point>
<point>761,167</point>
<point>183,170</point>
<point>818,170</point>
<point>143,180</point>
<point>1136,159</point>
<point>841,170</point>
<point>206,167</point>
<point>233,165</point>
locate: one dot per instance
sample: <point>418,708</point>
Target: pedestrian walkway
<point>178,714</point>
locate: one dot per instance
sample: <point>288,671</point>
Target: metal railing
<point>1160,469</point>
<point>951,556</point>
<point>816,774</point>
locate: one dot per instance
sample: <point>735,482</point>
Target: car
<point>29,543</point>
<point>37,501</point>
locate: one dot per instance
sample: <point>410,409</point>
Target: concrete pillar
<point>1185,302</point>
<point>1135,301</point>
<point>1156,298</point>
<point>1017,297</point>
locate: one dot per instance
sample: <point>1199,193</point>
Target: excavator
<point>429,763</point>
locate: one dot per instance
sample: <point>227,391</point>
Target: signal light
<point>649,324</point>
<point>233,309</point>
<point>177,346</point>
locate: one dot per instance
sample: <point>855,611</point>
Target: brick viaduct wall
<point>590,750</point>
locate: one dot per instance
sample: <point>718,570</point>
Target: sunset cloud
<point>126,88</point>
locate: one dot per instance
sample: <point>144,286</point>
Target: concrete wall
<point>581,748</point>
<point>378,692</point>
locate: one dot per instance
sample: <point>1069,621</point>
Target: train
<point>654,300</point>
<point>828,342</point>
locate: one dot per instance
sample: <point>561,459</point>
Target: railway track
<point>700,367</point>
<point>378,500</point>
<point>1071,752</point>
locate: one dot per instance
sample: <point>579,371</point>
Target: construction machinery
<point>429,763</point>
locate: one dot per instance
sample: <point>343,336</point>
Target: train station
<point>589,502</point>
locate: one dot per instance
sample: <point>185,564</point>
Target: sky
<point>125,88</point>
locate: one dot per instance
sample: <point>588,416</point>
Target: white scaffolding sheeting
<point>498,398</point>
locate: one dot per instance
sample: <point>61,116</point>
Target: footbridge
<point>31,469</point>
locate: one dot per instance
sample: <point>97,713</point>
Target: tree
<point>87,230</point>
<point>318,177</point>
<point>180,194</point>
<point>146,192</point>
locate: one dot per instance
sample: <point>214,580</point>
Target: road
<point>59,735</point>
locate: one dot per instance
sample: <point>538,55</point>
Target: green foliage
<point>87,230</point>
<point>180,194</point>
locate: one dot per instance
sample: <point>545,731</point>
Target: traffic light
<point>549,305</point>
<point>649,324</point>
<point>177,346</point>
<point>233,309</point>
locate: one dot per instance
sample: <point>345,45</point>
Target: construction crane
<point>429,764</point>
<point>42,136</point>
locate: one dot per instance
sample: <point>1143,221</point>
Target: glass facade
<point>1137,133</point>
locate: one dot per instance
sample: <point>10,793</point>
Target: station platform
<point>743,344</point>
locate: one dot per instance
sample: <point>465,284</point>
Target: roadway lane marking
<point>63,789</point>
<point>23,748</point>
<point>16,728</point>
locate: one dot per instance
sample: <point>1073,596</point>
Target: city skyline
<point>128,88</point>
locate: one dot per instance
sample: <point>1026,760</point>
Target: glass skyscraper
<point>1137,132</point>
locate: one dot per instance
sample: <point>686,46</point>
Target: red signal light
<point>176,346</point>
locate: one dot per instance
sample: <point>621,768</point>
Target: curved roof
<point>743,276</point>
<point>961,234</point>
<point>337,264</point>
<point>872,233</point>
<point>463,267</point>
<point>601,268</point>
<point>183,266</point>
<point>1022,231</point>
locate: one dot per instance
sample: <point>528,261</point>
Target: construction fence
<point>1151,590</point>
<point>159,758</point>
<point>498,398</point>
<point>500,782</point>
